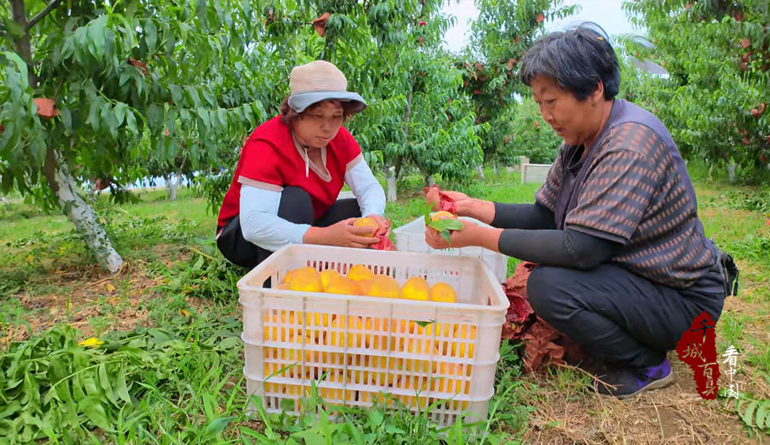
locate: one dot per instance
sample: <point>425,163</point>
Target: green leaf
<point>150,35</point>
<point>120,113</point>
<point>392,429</point>
<point>93,113</point>
<point>21,67</point>
<point>10,409</point>
<point>170,42</point>
<point>311,437</point>
<point>93,409</point>
<point>96,37</point>
<point>747,416</point>
<point>155,116</point>
<point>205,117</point>
<point>228,343</point>
<point>176,95</point>
<point>88,380</point>
<point>121,389</point>
<point>222,118</point>
<point>66,118</point>
<point>194,97</point>
<point>426,214</point>
<point>131,122</point>
<point>125,76</point>
<point>210,99</point>
<point>216,427</point>
<point>287,404</point>
<point>14,29</point>
<point>423,324</point>
<point>108,117</point>
<point>762,412</point>
<point>446,224</point>
<point>104,382</point>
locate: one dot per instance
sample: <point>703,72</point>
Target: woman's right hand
<point>478,209</point>
<point>342,234</point>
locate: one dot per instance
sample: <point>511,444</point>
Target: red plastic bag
<point>384,243</point>
<point>382,235</point>
<point>445,202</point>
<point>543,344</point>
<point>520,314</point>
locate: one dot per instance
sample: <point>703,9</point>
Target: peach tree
<point>715,96</point>
<point>501,35</point>
<point>393,55</point>
<point>92,89</point>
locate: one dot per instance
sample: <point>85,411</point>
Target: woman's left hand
<point>468,236</point>
<point>382,222</point>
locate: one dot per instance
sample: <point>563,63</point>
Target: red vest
<point>270,160</point>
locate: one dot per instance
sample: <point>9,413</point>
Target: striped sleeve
<point>615,196</point>
<point>546,195</point>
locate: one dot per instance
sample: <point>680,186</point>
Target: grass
<point>170,370</point>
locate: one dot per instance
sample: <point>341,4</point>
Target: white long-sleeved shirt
<point>262,226</point>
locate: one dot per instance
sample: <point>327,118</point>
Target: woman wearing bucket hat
<point>291,170</point>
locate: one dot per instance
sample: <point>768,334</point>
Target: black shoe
<point>627,382</point>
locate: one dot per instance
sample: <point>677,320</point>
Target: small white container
<point>411,238</point>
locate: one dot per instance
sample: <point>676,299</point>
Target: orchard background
<point>99,96</point>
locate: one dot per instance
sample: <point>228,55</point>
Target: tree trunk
<point>495,171</point>
<point>55,170</point>
<point>480,171</point>
<point>407,112</point>
<point>390,174</point>
<point>429,181</point>
<point>81,214</point>
<point>22,44</point>
<point>399,164</point>
<point>172,184</point>
<point>731,171</point>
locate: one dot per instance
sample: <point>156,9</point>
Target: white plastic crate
<point>411,238</point>
<point>420,352</point>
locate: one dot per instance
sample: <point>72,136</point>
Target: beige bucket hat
<point>317,81</point>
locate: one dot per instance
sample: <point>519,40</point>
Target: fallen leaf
<point>109,287</point>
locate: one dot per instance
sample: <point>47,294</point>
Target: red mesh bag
<point>445,202</point>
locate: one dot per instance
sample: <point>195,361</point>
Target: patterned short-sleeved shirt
<point>633,188</point>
